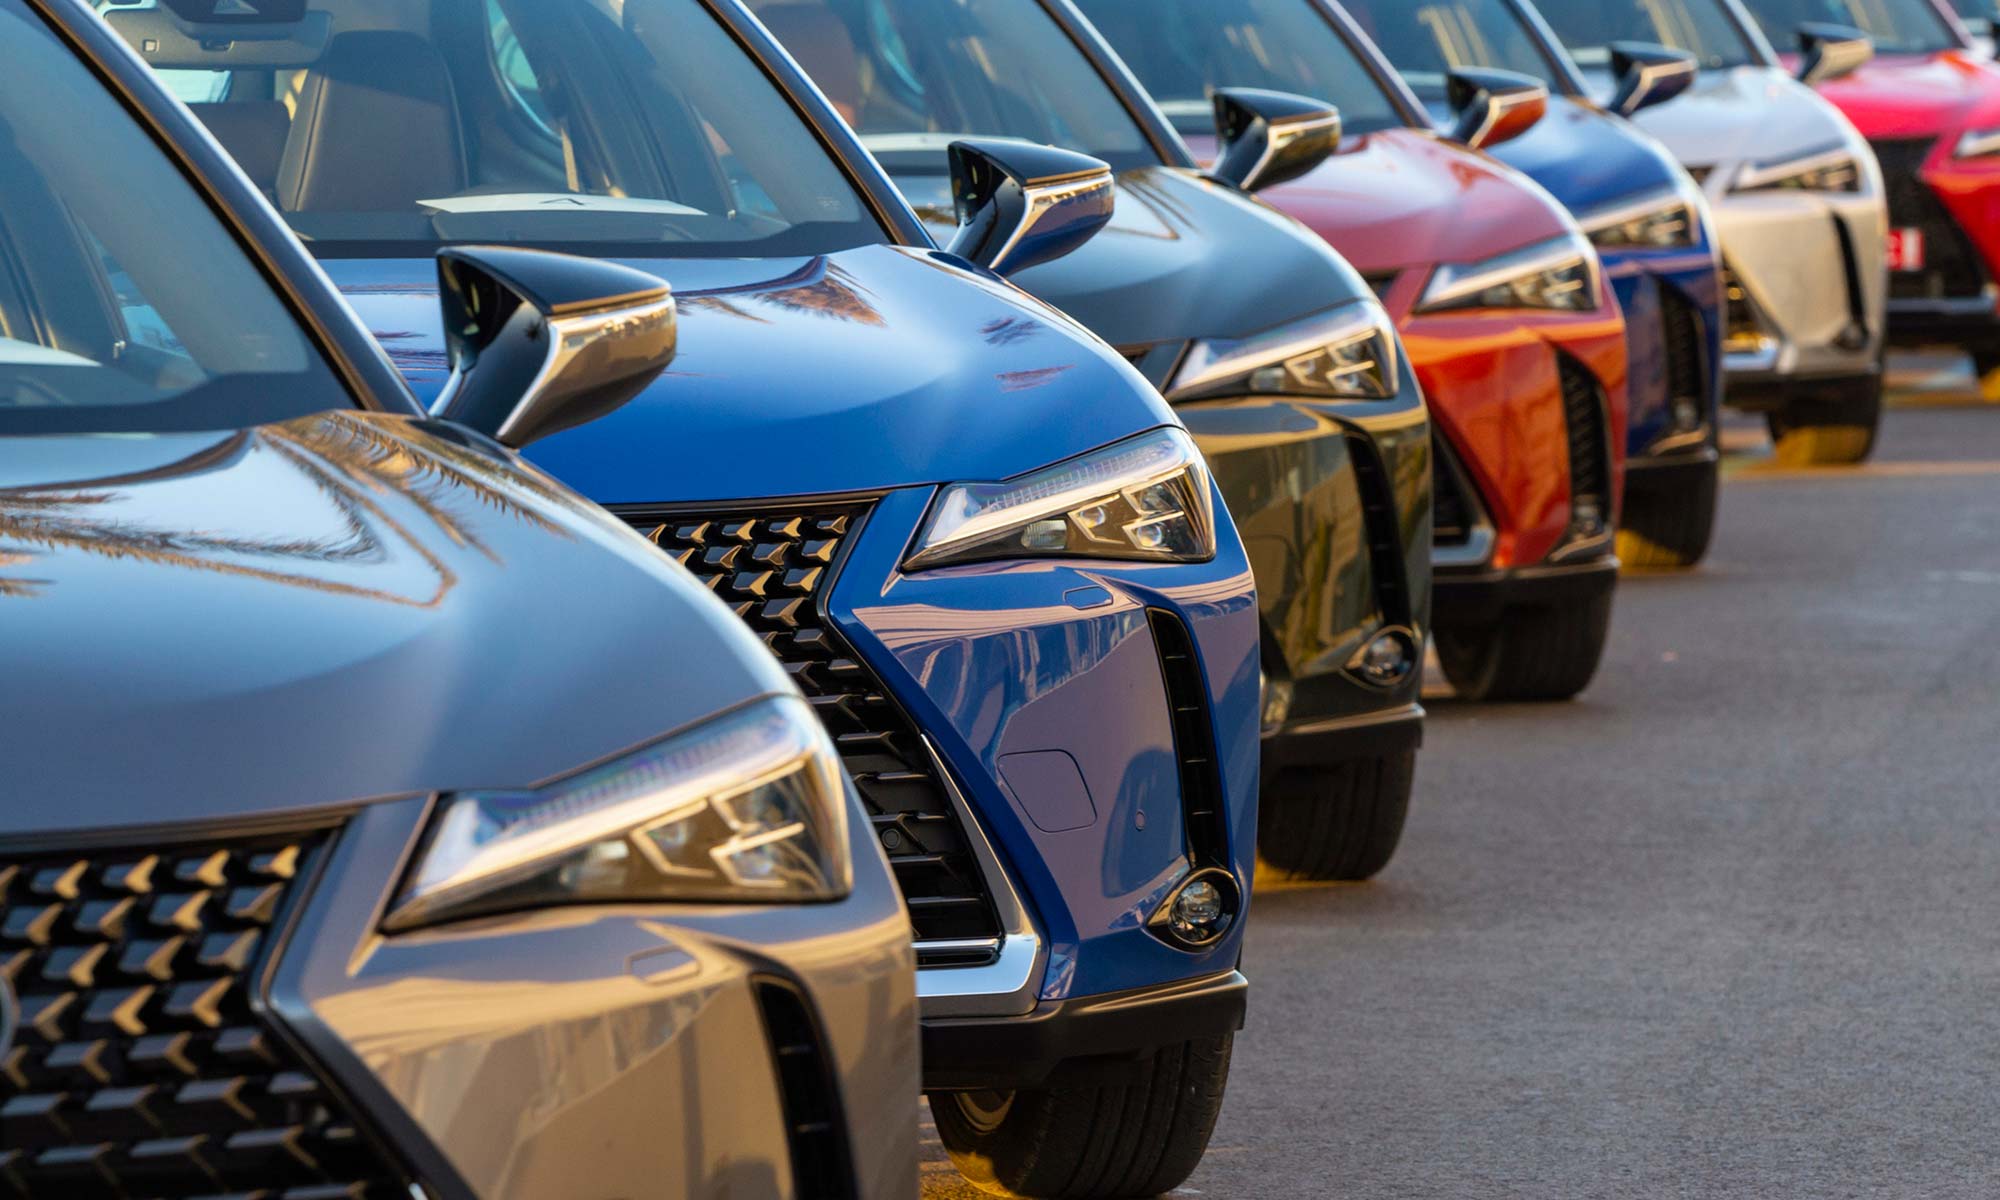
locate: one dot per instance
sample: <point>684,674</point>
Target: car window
<point>1182,50</point>
<point>125,303</point>
<point>631,127</point>
<point>912,75</point>
<point>1897,26</point>
<point>1427,41</point>
<point>1703,28</point>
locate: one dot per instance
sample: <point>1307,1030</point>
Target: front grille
<point>772,566</point>
<point>815,1134</point>
<point>140,1068</point>
<point>1589,448</point>
<point>1687,355</point>
<point>1952,267</point>
<point>1453,515</point>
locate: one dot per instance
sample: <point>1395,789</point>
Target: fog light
<point>1387,660</point>
<point>1199,912</point>
<point>1588,521</point>
<point>1687,415</point>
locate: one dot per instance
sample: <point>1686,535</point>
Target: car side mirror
<point>542,342</point>
<point>1494,106</point>
<point>1020,204</point>
<point>1648,74</point>
<point>1268,138</point>
<point>1831,51</point>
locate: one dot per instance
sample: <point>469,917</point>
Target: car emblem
<point>10,1015</point>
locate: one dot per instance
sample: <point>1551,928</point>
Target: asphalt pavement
<point>1725,926</point>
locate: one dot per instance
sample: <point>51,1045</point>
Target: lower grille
<point>772,565</point>
<point>139,1068</point>
<point>1453,515</point>
<point>1589,449</point>
<point>1687,357</point>
<point>815,1134</point>
<point>1952,267</point>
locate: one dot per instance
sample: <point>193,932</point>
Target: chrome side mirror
<point>1648,74</point>
<point>1832,51</point>
<point>1494,106</point>
<point>542,342</point>
<point>1268,138</point>
<point>1020,204</point>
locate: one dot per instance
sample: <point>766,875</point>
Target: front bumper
<point>246,1028</point>
<point>1807,287</point>
<point>1333,502</point>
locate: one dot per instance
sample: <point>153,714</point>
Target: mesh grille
<point>1589,451</point>
<point>139,1069</point>
<point>772,566</point>
<point>1952,268</point>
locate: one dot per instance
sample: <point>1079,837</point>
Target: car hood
<point>1587,158</point>
<point>873,368</point>
<point>1183,258</point>
<point>1402,198</point>
<point>1918,96</point>
<point>236,626</point>
<point>1755,114</point>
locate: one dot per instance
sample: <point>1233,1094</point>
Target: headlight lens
<point>1145,498</point>
<point>748,807</point>
<point>1346,353</point>
<point>1663,220</point>
<point>1559,274</point>
<point>1823,171</point>
<point>1978,143</point>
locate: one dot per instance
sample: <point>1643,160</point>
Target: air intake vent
<point>1382,525</point>
<point>773,566</point>
<point>140,1068</point>
<point>1453,511</point>
<point>1194,743</point>
<point>822,1167</point>
<point>1589,449</point>
<point>1687,355</point>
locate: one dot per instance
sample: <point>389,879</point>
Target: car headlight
<point>1559,274</point>
<point>1978,143</point>
<point>1345,353</point>
<point>748,807</point>
<point>1146,498</point>
<point>1667,219</point>
<point>1822,171</point>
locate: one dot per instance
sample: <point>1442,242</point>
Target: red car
<point>1930,105</point>
<point>1501,302</point>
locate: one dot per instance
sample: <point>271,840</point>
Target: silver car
<point>1798,199</point>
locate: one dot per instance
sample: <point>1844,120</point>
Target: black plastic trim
<point>1478,597</point>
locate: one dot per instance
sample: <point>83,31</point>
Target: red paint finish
<point>1399,203</point>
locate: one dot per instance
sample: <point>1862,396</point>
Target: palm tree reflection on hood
<point>385,480</point>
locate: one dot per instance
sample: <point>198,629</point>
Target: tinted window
<point>1978,10</point>
<point>1701,27</point>
<point>1898,26</point>
<point>911,75</point>
<point>125,304</point>
<point>1184,49</point>
<point>597,126</point>
<point>1426,41</point>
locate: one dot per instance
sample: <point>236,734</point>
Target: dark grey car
<point>382,819</point>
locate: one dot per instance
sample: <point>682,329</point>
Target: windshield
<point>1427,41</point>
<point>125,304</point>
<point>1978,10</point>
<point>912,75</point>
<point>1182,50</point>
<point>1703,28</point>
<point>1897,26</point>
<point>630,127</point>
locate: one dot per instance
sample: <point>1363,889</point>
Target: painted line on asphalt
<point>1770,472</point>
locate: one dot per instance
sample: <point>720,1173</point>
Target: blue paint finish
<point>992,660</point>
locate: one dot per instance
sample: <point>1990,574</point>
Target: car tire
<point>1986,366</point>
<point>1336,823</point>
<point>1091,1142</point>
<point>1833,431</point>
<point>1669,528</point>
<point>1548,652</point>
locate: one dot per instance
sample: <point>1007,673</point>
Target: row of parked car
<point>598,592</point>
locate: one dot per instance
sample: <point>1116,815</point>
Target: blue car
<point>978,540</point>
<point>1645,214</point>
